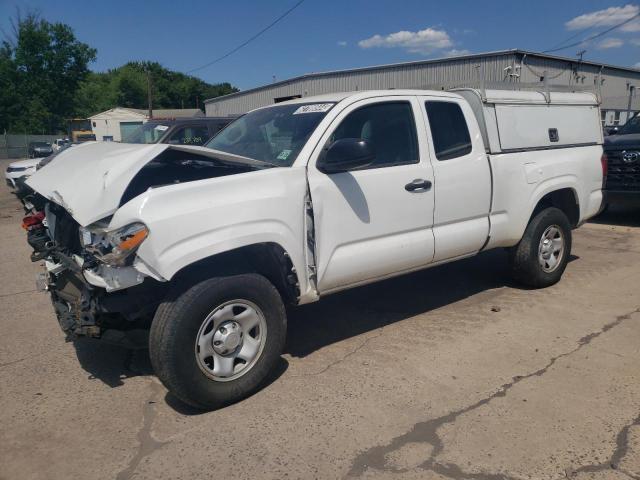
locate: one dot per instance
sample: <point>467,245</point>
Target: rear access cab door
<point>462,173</point>
<point>372,223</point>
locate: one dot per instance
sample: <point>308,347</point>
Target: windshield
<point>150,132</point>
<point>632,126</point>
<point>274,135</point>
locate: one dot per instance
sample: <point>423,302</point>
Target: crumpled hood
<point>89,180</point>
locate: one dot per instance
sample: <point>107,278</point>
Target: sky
<point>321,35</point>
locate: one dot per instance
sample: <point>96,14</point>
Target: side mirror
<point>613,131</point>
<point>346,154</point>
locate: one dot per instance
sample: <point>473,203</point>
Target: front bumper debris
<point>42,282</point>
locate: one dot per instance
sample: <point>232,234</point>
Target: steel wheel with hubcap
<point>539,259</point>
<point>230,340</point>
<point>551,249</point>
<point>218,340</point>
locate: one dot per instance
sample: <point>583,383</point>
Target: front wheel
<point>217,341</point>
<point>541,256</point>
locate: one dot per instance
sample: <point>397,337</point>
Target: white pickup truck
<point>204,246</point>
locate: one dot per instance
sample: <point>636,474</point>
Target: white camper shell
<point>513,121</point>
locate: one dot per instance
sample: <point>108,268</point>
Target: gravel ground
<point>450,373</point>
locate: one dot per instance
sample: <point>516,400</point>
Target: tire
<point>525,262</point>
<point>179,324</point>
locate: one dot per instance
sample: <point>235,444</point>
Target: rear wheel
<point>541,256</point>
<point>217,341</point>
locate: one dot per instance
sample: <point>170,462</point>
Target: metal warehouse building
<point>515,69</point>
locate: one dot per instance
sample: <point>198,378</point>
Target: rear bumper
<point>622,197</point>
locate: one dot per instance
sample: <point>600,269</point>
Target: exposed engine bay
<point>175,166</point>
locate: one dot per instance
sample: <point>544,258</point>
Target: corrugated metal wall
<point>615,83</point>
<point>445,74</point>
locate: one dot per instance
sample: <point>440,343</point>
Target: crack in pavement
<point>342,359</point>
<point>11,363</point>
<point>613,249</point>
<point>622,448</point>
<point>4,295</point>
<point>426,432</point>
<point>146,443</point>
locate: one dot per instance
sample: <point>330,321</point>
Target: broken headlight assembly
<point>113,247</point>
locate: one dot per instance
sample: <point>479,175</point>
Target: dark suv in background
<point>40,149</point>
<point>623,152</point>
<point>182,131</point>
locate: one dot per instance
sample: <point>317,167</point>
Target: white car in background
<point>17,170</point>
<point>60,144</point>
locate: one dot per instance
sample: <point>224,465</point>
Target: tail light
<point>604,160</point>
<point>33,221</point>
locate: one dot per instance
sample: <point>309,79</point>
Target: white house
<point>116,123</point>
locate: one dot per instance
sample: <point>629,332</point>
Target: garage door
<point>127,127</point>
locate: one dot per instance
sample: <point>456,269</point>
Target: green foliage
<point>45,80</point>
<point>40,70</point>
<point>126,86</point>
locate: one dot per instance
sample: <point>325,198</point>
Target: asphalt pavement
<point>450,373</point>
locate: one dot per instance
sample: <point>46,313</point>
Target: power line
<point>577,34</point>
<point>593,37</point>
<point>248,41</point>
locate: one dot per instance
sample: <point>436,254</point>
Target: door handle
<point>418,185</point>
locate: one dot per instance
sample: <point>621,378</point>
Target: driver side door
<point>372,222</point>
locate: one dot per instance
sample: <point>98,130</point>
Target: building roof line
<point>471,56</point>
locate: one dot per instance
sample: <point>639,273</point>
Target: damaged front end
<point>89,273</point>
<point>99,282</point>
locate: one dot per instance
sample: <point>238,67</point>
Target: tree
<point>45,80</point>
<point>41,68</point>
<point>126,86</point>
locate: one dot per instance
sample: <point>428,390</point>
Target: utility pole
<point>580,54</point>
<point>632,89</point>
<point>149,96</point>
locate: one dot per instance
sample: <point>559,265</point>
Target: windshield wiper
<point>260,164</point>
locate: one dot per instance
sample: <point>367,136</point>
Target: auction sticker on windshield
<point>314,108</point>
<point>284,154</point>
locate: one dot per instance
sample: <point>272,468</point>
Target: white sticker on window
<point>313,108</point>
<point>162,128</point>
<point>284,154</point>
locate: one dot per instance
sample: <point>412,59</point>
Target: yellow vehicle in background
<point>79,136</point>
<point>80,130</point>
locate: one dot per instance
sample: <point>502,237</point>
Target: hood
<point>31,162</point>
<point>622,141</point>
<point>90,179</point>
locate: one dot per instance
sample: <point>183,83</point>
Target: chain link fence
<point>17,145</point>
